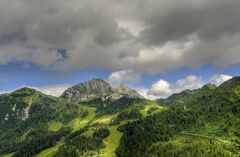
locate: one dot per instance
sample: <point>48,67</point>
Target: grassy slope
<point>79,123</point>
<point>49,152</point>
<point>105,119</point>
<point>88,133</point>
<point>9,155</point>
<point>75,124</point>
<point>111,142</point>
<point>181,142</point>
<point>149,105</point>
<point>54,126</point>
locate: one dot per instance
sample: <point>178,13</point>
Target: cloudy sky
<point>156,46</point>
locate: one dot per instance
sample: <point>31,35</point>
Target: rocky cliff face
<point>88,90</point>
<point>97,88</point>
<point>127,91</point>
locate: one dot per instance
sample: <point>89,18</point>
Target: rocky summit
<point>87,90</point>
<point>98,88</point>
<point>124,90</point>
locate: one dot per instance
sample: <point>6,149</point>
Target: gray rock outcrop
<point>88,90</point>
<point>98,88</point>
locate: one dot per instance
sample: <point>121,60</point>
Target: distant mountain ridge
<point>98,88</point>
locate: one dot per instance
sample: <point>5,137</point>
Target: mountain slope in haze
<point>202,122</point>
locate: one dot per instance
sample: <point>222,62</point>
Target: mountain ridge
<point>98,88</point>
<point>97,126</point>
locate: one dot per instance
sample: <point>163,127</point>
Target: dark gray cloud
<point>147,36</point>
<point>208,19</point>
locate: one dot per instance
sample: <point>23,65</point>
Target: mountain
<point>31,121</point>
<point>88,90</point>
<point>128,92</point>
<point>26,114</point>
<point>202,122</point>
<point>97,88</point>
<point>118,122</point>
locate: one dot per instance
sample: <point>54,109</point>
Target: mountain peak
<point>88,90</point>
<point>209,86</point>
<point>123,89</point>
<point>25,90</point>
<point>98,88</point>
<point>94,80</point>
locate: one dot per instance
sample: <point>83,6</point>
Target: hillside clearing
<point>49,152</point>
<point>79,123</point>
<point>151,104</point>
<point>111,142</point>
<point>105,119</point>
<point>9,155</point>
<point>54,126</point>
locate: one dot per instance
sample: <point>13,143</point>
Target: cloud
<point>4,92</point>
<point>163,89</point>
<point>54,90</point>
<point>145,94</point>
<point>220,78</point>
<point>177,21</point>
<point>190,82</point>
<point>121,76</point>
<point>149,36</point>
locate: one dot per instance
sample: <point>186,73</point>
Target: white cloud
<point>54,90</point>
<point>220,78</point>
<point>162,88</point>
<point>145,93</point>
<point>121,76</point>
<point>190,82</point>
<point>4,92</point>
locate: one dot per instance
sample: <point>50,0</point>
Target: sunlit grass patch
<point>111,142</point>
<point>49,152</point>
<point>54,126</point>
<point>79,122</point>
